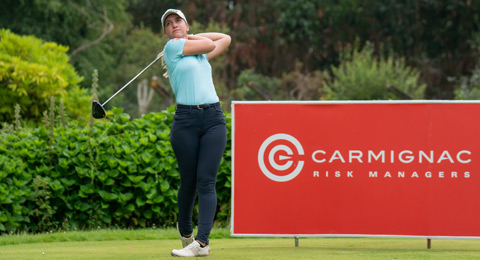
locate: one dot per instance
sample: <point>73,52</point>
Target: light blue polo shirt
<point>190,76</point>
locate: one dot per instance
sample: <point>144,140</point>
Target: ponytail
<point>164,66</point>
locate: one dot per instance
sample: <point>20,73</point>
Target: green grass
<point>157,244</point>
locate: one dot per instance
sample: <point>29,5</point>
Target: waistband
<point>199,106</point>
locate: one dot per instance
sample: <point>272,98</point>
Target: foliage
<point>51,20</point>
<point>295,85</point>
<point>434,36</point>
<point>300,85</point>
<point>148,12</point>
<point>468,87</point>
<point>254,86</point>
<point>85,26</point>
<point>363,76</point>
<point>32,71</point>
<point>118,173</point>
<point>268,37</point>
<point>137,49</point>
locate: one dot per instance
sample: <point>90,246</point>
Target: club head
<point>97,110</point>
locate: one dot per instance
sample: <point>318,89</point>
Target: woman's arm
<point>197,45</point>
<point>221,41</point>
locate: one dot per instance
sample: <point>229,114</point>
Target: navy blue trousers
<point>198,138</point>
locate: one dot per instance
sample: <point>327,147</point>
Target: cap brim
<point>169,12</point>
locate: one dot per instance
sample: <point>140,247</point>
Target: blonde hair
<point>164,66</point>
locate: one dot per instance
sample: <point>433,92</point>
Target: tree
<point>87,27</point>
<point>79,24</point>
<point>468,87</point>
<point>148,12</point>
<point>295,85</point>
<point>434,36</point>
<point>32,71</point>
<point>137,49</point>
<point>363,76</point>
<point>268,37</point>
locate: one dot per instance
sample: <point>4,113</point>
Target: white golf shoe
<point>185,240</point>
<point>192,250</point>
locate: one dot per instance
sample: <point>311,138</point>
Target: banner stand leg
<point>296,241</point>
<point>429,243</point>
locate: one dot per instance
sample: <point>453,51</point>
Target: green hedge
<point>116,173</point>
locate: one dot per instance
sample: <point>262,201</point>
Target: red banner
<point>356,169</point>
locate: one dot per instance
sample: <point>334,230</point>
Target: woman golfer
<point>199,132</point>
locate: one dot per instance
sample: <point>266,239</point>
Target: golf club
<point>97,109</point>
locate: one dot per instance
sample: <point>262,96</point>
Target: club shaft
<point>126,85</point>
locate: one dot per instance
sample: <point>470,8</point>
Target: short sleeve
<point>174,50</point>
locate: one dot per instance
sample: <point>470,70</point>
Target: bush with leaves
<point>295,85</point>
<point>32,71</point>
<point>118,173</point>
<point>468,87</point>
<point>303,85</point>
<point>363,76</point>
<point>15,179</point>
<point>137,49</point>
<point>254,86</point>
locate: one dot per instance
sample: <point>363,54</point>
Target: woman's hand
<point>197,45</point>
<point>221,41</point>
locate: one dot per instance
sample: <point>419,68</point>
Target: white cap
<point>172,11</point>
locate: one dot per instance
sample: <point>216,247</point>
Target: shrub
<point>362,76</point>
<point>253,86</point>
<point>32,71</point>
<point>468,87</point>
<point>118,173</point>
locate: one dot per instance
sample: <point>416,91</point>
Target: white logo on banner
<point>271,157</point>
